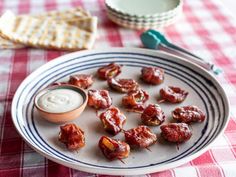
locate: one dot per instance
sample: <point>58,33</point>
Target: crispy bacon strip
<point>173,94</point>
<point>153,115</point>
<point>176,132</point>
<point>188,114</point>
<point>122,85</point>
<point>109,71</point>
<point>112,120</point>
<point>72,136</point>
<point>99,99</point>
<point>81,80</point>
<point>113,149</point>
<point>134,100</point>
<point>140,137</point>
<point>152,75</point>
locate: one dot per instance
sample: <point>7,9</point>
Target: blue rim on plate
<point>209,92</point>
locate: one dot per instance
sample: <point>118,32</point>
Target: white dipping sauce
<point>60,100</point>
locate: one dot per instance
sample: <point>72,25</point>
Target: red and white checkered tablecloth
<point>206,28</point>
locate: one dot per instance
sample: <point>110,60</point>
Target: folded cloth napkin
<point>72,29</point>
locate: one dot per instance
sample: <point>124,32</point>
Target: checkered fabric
<point>206,28</point>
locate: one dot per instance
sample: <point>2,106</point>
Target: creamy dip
<point>60,100</point>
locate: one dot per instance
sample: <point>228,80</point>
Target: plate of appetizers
<point>120,111</point>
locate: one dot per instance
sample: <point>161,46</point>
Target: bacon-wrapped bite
<point>173,94</point>
<point>140,137</point>
<point>72,136</point>
<point>134,100</point>
<point>176,132</point>
<point>99,99</point>
<point>188,114</point>
<point>113,149</point>
<point>152,75</point>
<point>109,71</point>
<point>113,120</point>
<point>122,85</point>
<point>81,80</point>
<point>153,115</point>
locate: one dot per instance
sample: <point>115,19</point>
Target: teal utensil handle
<point>153,39</point>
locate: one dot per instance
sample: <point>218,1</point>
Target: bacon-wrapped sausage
<point>153,115</point>
<point>188,114</point>
<point>176,132</point>
<point>140,137</point>
<point>134,100</point>
<point>109,71</point>
<point>152,75</point>
<point>72,136</point>
<point>122,85</point>
<point>113,149</point>
<point>173,94</point>
<point>113,120</point>
<point>81,80</point>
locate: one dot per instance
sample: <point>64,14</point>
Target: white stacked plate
<point>140,14</point>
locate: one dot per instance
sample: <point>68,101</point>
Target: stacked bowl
<point>143,14</point>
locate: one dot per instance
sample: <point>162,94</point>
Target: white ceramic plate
<point>204,92</point>
<point>156,17</point>
<point>141,8</point>
<point>142,25</point>
<point>142,20</point>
